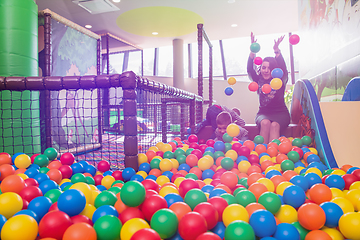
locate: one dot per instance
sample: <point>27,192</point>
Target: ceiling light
<point>231,1</point>
<point>96,6</point>
<point>234,25</point>
<point>116,1</point>
<point>154,33</point>
<point>88,26</point>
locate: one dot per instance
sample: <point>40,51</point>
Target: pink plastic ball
<point>103,166</point>
<point>67,158</point>
<point>192,138</point>
<point>258,60</point>
<point>294,39</point>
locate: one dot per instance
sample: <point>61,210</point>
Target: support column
<point>178,64</point>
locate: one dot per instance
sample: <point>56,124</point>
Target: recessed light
<point>116,1</point>
<point>234,25</point>
<point>231,1</point>
<point>154,33</point>
<point>88,26</point>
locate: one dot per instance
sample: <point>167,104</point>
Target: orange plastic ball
<point>250,144</point>
<point>260,148</point>
<point>192,160</point>
<point>288,174</point>
<point>272,151</point>
<point>281,157</point>
<point>54,164</point>
<point>285,147</point>
<point>12,183</point>
<point>253,178</point>
<point>5,158</point>
<point>257,189</point>
<point>55,175</point>
<point>254,169</point>
<point>252,207</point>
<point>317,235</point>
<point>229,179</point>
<point>180,209</point>
<point>6,170</point>
<point>277,179</point>
<point>311,216</point>
<point>320,193</point>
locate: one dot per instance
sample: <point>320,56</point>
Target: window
<point>148,56</point>
<point>135,62</point>
<point>165,67</point>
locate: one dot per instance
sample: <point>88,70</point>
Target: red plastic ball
<point>266,88</point>
<point>145,234</point>
<point>30,192</point>
<point>191,225</point>
<point>210,142</point>
<point>209,212</point>
<point>151,204</point>
<point>67,158</point>
<point>349,179</point>
<point>66,171</point>
<point>356,173</point>
<point>253,86</point>
<point>54,224</point>
<point>294,39</point>
<point>194,145</point>
<point>103,166</point>
<point>220,204</point>
<point>129,213</point>
<point>31,182</point>
<point>81,218</point>
<point>150,184</point>
<point>197,152</point>
<point>236,146</point>
<point>117,175</point>
<point>192,138</point>
<point>186,185</point>
<point>98,178</point>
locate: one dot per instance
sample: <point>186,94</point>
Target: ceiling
<point>178,19</point>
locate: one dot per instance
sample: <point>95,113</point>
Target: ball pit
<point>210,190</point>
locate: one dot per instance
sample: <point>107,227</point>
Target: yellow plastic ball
<point>231,154</point>
<point>159,145</point>
<point>281,187</point>
<point>298,169</point>
<point>142,158</point>
<point>231,80</point>
<point>355,185</point>
<point>254,153</point>
<point>22,161</point>
<point>84,188</point>
<point>313,150</point>
<point>268,184</point>
<point>333,233</point>
<point>21,226</point>
<point>273,159</point>
<point>175,163</point>
<point>166,147</point>
<point>314,170</point>
<point>207,181</point>
<point>337,193</point>
<point>270,168</point>
<point>10,203</point>
<point>132,226</point>
<point>233,130</point>
<point>94,194</point>
<point>23,176</point>
<point>338,172</point>
<point>165,165</point>
<point>276,83</point>
<point>93,187</point>
<point>353,196</point>
<point>234,212</point>
<point>204,163</point>
<point>264,158</point>
<point>287,214</point>
<point>107,181</point>
<point>88,211</point>
<point>156,149</point>
<point>168,189</point>
<point>344,204</point>
<point>162,179</point>
<point>64,181</point>
<point>243,166</point>
<point>142,173</point>
<point>178,180</point>
<point>349,225</point>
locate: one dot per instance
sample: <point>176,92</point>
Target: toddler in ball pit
<point>223,119</point>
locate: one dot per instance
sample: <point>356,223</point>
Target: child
<point>223,119</point>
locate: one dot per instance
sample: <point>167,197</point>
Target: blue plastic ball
<point>277,73</point>
<point>40,177</point>
<point>241,158</point>
<point>263,222</point>
<point>335,181</point>
<point>219,146</point>
<point>272,173</point>
<point>144,167</point>
<point>209,149</point>
<point>216,192</point>
<point>77,168</point>
<point>333,212</point>
<point>27,212</point>
<point>313,179</point>
<point>184,166</point>
<point>286,231</point>
<point>229,91</point>
<point>294,196</point>
<point>219,229</point>
<point>137,177</point>
<point>169,174</point>
<point>207,188</point>
<point>172,198</point>
<point>300,181</point>
<point>72,202</point>
<point>103,211</point>
<point>107,173</point>
<point>2,221</point>
<point>207,173</point>
<point>63,185</point>
<point>128,173</point>
<point>350,170</point>
<point>40,206</point>
<point>101,188</point>
<point>90,169</point>
<point>31,172</point>
<point>47,185</point>
<point>153,177</point>
<point>312,158</point>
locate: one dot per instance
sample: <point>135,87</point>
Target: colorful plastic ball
<point>276,83</point>
<point>231,80</point>
<point>152,204</point>
<point>10,203</point>
<point>164,222</point>
<point>67,158</point>
<point>22,161</point>
<point>191,225</point>
<point>313,178</point>
<point>41,160</point>
<point>108,227</point>
<point>104,210</point>
<point>312,158</point>
<point>131,227</point>
<point>255,47</point>
<point>344,203</point>
<point>51,153</point>
<point>186,185</point>
<point>349,225</point>
<point>333,212</point>
<point>40,205</point>
<point>66,171</point>
<point>294,39</point>
<point>263,223</point>
<point>229,91</point>
<point>300,181</point>
<point>320,193</point>
<point>71,202</point>
<point>227,139</point>
<point>219,146</point>
<point>233,130</point>
<point>285,231</point>
<point>80,231</point>
<point>103,166</point>
<point>194,196</point>
<point>20,227</point>
<point>287,214</point>
<point>277,73</point>
<point>192,138</point>
<point>239,229</point>
<point>294,196</point>
<point>54,224</point>
<point>266,88</point>
<point>209,212</point>
<point>132,193</point>
<point>311,216</point>
<point>227,163</point>
<point>253,86</point>
<point>146,234</point>
<point>5,158</point>
<point>105,198</point>
<point>235,212</point>
<point>257,60</point>
<point>12,183</point>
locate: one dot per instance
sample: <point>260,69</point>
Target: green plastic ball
<point>117,181</point>
<point>105,198</point>
<point>132,193</point>
<point>258,139</point>
<point>228,146</point>
<point>293,156</point>
<point>271,201</point>
<point>51,153</point>
<point>255,47</point>
<point>297,142</point>
<point>230,199</point>
<point>218,154</point>
<point>168,155</point>
<point>188,151</point>
<point>178,152</point>
<point>108,227</point>
<point>306,140</point>
<point>208,153</point>
<point>53,194</point>
<point>277,141</point>
<point>302,231</point>
<point>192,176</point>
<point>90,180</point>
<point>287,165</point>
<point>114,190</point>
<point>155,163</point>
<point>44,170</point>
<point>78,177</point>
<point>227,163</point>
<point>239,229</point>
<point>227,138</point>
<point>193,197</point>
<point>243,181</point>
<point>164,222</point>
<point>245,197</point>
<point>41,160</point>
<point>236,191</point>
<point>181,159</point>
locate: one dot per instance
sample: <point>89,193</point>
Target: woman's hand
<point>253,38</point>
<point>277,42</point>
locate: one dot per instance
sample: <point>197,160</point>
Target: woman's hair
<point>272,62</point>
<point>223,118</point>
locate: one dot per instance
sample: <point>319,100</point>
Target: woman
<point>273,116</point>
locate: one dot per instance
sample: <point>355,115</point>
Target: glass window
<point>186,60</point>
<point>135,62</point>
<point>116,63</point>
<point>148,56</point>
<point>165,68</point>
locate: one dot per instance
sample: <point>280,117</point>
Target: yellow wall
<point>342,125</point>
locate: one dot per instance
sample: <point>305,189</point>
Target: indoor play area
<point>87,155</point>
